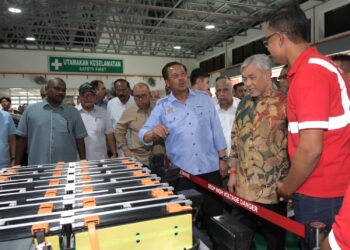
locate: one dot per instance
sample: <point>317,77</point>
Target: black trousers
<point>273,234</point>
<point>212,204</point>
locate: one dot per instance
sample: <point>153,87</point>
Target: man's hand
<point>160,131</point>
<point>283,194</point>
<point>127,152</point>
<point>223,168</point>
<point>231,183</point>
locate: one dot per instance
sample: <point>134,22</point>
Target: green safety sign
<point>85,65</point>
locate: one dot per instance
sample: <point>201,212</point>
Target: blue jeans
<point>309,209</point>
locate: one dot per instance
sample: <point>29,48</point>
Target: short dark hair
<point>5,98</point>
<point>198,73</point>
<point>168,65</point>
<point>235,87</point>
<point>95,83</point>
<point>122,80</point>
<point>291,19</point>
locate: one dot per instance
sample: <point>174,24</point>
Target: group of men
<point>276,145</point>
<point>283,147</point>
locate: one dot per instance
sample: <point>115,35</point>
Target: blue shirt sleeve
<point>153,120</point>
<point>219,138</point>
<point>22,129</point>
<point>11,127</point>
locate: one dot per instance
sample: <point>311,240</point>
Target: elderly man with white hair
<point>259,148</point>
<point>226,107</point>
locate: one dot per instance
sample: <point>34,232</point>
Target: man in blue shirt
<point>7,140</point>
<point>51,130</point>
<point>188,121</point>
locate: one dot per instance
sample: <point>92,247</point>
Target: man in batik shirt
<point>259,148</point>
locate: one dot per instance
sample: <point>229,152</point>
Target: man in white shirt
<point>117,105</point>
<point>226,108</point>
<point>97,123</point>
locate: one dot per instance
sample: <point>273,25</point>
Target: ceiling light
<point>30,38</point>
<point>210,26</point>
<point>177,47</point>
<point>14,10</point>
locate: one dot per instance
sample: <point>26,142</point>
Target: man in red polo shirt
<point>318,114</point>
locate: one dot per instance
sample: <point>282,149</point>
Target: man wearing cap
<point>51,131</point>
<point>97,123</point>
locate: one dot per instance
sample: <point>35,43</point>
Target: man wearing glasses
<point>318,115</point>
<point>132,119</point>
<point>188,122</point>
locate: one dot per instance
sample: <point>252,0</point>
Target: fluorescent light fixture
<point>210,26</point>
<point>177,47</point>
<point>14,10</point>
<point>30,38</point>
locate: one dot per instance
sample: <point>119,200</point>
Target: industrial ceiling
<point>171,28</point>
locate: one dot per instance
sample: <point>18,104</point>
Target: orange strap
<point>9,171</point>
<point>126,161</point>
<point>59,167</point>
<point>40,226</point>
<point>90,222</point>
<point>175,208</point>
<point>85,178</point>
<point>54,182</point>
<point>160,193</point>
<point>132,167</point>
<point>138,173</point>
<point>146,182</point>
<point>83,163</point>
<point>89,202</point>
<point>4,179</point>
<point>56,174</point>
<point>87,189</point>
<point>50,193</point>
<point>46,208</point>
<point>84,170</point>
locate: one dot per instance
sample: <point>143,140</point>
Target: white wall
<point>23,62</point>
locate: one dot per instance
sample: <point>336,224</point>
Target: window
<point>337,20</point>
<point>213,63</point>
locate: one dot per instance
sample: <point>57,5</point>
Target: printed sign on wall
<point>85,65</point>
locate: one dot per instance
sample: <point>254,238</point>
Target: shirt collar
<point>46,104</point>
<point>172,98</point>
<point>305,54</point>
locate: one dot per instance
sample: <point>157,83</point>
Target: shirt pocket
<point>202,113</point>
<point>62,125</point>
<point>99,125</point>
<point>174,122</point>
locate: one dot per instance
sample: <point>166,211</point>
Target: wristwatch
<point>224,158</point>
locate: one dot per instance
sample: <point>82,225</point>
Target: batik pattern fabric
<point>259,143</point>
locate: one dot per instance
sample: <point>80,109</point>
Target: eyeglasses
<point>139,97</point>
<point>265,40</point>
<point>282,77</point>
